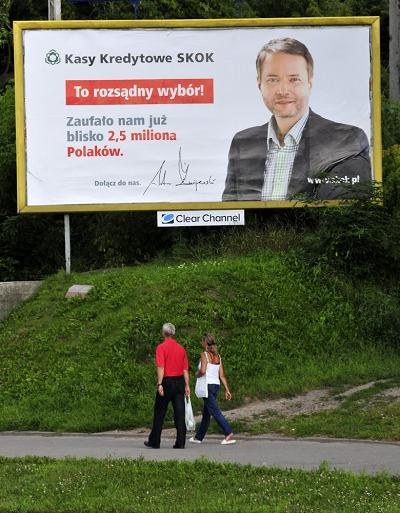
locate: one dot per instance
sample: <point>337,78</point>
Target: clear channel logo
<point>52,57</point>
<point>178,218</point>
<point>168,218</point>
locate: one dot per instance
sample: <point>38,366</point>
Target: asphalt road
<point>355,456</point>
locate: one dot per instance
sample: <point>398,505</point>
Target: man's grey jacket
<point>329,156</point>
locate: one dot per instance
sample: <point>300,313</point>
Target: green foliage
<point>7,152</point>
<point>30,246</point>
<point>115,239</point>
<point>360,239</point>
<point>162,9</point>
<point>5,41</point>
<point>5,29</point>
<point>379,314</point>
<point>391,179</point>
<point>390,123</point>
<point>262,231</point>
<point>89,365</point>
<point>191,9</point>
<point>301,8</point>
<point>42,485</point>
<point>329,8</point>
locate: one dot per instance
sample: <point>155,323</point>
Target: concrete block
<point>79,290</point>
<point>12,293</point>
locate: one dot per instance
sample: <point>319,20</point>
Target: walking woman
<point>211,366</point>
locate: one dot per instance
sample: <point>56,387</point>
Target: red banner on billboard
<point>139,92</point>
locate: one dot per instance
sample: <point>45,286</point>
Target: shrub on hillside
<point>390,122</point>
<point>391,178</point>
<point>115,239</point>
<point>359,239</point>
<point>379,316</point>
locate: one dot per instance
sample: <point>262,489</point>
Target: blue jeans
<point>211,409</point>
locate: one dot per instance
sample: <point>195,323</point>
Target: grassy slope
<point>88,364</point>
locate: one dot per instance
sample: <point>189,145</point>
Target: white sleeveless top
<point>212,372</point>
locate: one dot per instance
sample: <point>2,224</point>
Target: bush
<point>391,178</point>
<point>360,239</point>
<point>31,247</point>
<point>115,239</point>
<point>390,122</point>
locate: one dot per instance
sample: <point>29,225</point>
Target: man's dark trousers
<point>174,392</point>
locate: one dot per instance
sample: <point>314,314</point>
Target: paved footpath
<point>356,456</point>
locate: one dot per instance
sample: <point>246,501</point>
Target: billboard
<point>154,115</point>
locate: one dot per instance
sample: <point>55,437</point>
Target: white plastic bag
<point>201,389</point>
<point>189,417</point>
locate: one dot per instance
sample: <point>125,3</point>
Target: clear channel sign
<point>176,219</point>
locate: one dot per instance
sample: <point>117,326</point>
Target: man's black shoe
<point>148,444</point>
<point>178,447</point>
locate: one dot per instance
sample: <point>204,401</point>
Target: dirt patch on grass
<point>392,392</point>
<point>310,402</point>
<point>313,401</point>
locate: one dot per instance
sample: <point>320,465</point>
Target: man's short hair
<point>285,45</point>
<point>168,329</point>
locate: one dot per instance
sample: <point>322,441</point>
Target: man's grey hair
<point>285,45</point>
<point>168,329</point>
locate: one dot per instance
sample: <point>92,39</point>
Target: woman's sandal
<point>228,442</point>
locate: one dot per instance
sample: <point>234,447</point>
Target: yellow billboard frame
<point>20,26</point>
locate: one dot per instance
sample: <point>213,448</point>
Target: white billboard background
<point>341,92</point>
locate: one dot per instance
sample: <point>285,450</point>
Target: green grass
<point>42,485</point>
<point>88,365</point>
<point>368,414</point>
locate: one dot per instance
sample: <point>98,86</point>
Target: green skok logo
<point>52,57</point>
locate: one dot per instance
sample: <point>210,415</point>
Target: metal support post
<point>67,238</point>
<point>54,9</point>
<point>54,13</point>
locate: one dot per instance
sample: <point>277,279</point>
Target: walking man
<point>172,386</point>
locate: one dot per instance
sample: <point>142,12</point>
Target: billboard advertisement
<point>195,114</point>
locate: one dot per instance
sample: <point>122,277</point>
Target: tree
<point>5,42</point>
<point>7,152</point>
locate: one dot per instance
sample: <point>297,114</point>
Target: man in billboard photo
<point>297,154</point>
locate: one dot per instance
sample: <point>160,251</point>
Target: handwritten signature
<point>160,178</point>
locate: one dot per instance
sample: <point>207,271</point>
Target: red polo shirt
<point>172,356</point>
